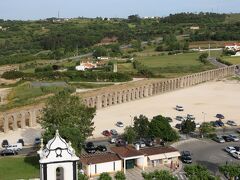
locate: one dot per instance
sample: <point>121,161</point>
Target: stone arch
<point>11,120</point>
<point>59,173</point>
<point>19,120</point>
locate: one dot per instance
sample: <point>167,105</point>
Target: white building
<point>123,158</point>
<point>85,66</point>
<point>58,160</point>
<point>232,46</point>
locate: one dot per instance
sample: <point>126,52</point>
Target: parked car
<point>231,123</point>
<point>14,147</point>
<point>190,117</point>
<point>119,124</point>
<point>186,157</point>
<point>179,108</point>
<point>37,141</point>
<point>233,137</point>
<point>5,143</point>
<point>8,152</point>
<point>230,149</point>
<point>102,148</point>
<point>197,125</point>
<point>227,138</point>
<point>21,141</point>
<point>220,116</point>
<point>120,142</point>
<point>178,126</point>
<point>238,130</point>
<point>169,119</point>
<point>106,133</point>
<point>149,142</point>
<point>90,148</point>
<point>179,118</point>
<point>219,139</point>
<point>220,123</point>
<point>140,143</point>
<point>114,132</point>
<point>215,124</point>
<point>236,154</point>
<point>112,140</point>
<point>237,148</point>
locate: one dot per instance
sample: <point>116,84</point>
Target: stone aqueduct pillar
<point>28,117</point>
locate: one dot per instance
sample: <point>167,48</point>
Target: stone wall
<point>105,97</point>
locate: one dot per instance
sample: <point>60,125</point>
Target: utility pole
<point>209,50</point>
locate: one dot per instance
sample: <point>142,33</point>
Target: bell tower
<point>58,160</point>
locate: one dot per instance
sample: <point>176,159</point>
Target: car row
<point>226,138</point>
<point>234,151</point>
<point>91,148</point>
<point>112,132</point>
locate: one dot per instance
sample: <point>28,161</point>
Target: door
<point>130,164</point>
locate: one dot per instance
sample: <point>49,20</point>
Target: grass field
<point>12,168</point>
<point>233,60</point>
<point>85,85</point>
<point>175,65</point>
<point>126,68</point>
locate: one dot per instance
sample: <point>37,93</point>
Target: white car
<point>179,108</point>
<point>230,149</point>
<point>233,137</point>
<point>119,124</point>
<point>140,143</point>
<point>236,154</point>
<point>179,118</point>
<point>231,123</point>
<point>15,147</point>
<point>114,132</point>
<point>198,125</point>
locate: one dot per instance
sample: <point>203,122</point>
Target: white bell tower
<point>58,160</point>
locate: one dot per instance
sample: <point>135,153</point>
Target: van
<point>15,147</point>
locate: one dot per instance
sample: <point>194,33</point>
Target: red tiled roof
<point>157,150</point>
<point>98,158</point>
<point>127,151</point>
<point>232,44</point>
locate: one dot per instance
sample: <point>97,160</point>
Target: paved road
<point>213,61</point>
<point>210,153</point>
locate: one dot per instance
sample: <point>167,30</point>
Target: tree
<point>67,114</point>
<point>129,134</point>
<point>195,172</point>
<point>120,176</point>
<point>141,126</point>
<point>104,176</point>
<point>206,128</point>
<point>159,175</point>
<point>160,128</point>
<point>203,58</point>
<point>99,51</point>
<point>230,170</point>
<point>82,177</point>
<point>188,126</point>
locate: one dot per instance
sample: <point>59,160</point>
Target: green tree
<point>203,58</point>
<point>67,114</point>
<point>206,128</point>
<point>99,51</point>
<point>82,177</point>
<point>188,126</point>
<point>160,128</point>
<point>120,176</point>
<point>231,170</point>
<point>141,126</point>
<point>159,175</point>
<point>197,172</point>
<point>129,134</point>
<point>104,176</point>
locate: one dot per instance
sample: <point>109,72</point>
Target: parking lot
<point>209,153</point>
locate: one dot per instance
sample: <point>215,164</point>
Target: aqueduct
<point>105,97</point>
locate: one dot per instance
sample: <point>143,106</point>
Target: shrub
<point>12,75</point>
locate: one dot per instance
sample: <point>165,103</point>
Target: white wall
<point>68,171</point>
<point>103,167</point>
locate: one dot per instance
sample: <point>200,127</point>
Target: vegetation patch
<point>19,168</point>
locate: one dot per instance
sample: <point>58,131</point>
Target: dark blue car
<point>220,123</point>
<point>219,116</point>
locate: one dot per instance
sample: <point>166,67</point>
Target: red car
<point>106,133</point>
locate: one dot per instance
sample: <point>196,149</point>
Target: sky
<point>41,9</point>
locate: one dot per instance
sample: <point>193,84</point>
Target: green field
<point>174,65</point>
<point>233,60</point>
<point>12,168</point>
<point>126,68</point>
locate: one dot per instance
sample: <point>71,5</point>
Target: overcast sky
<point>40,9</point>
